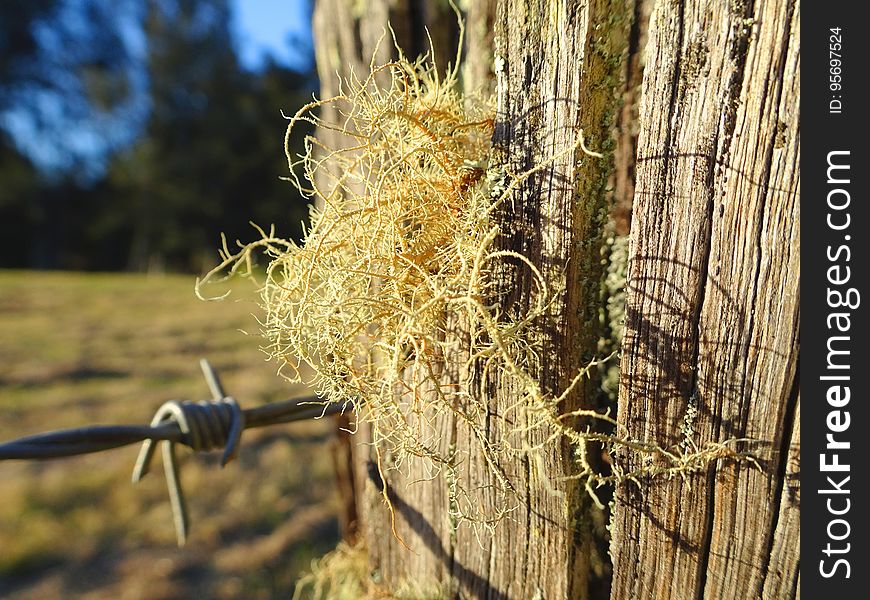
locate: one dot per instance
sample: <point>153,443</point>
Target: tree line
<point>131,136</point>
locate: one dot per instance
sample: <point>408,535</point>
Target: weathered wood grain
<point>713,303</point>
<point>562,65</point>
<point>625,151</point>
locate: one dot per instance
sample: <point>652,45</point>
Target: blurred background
<point>132,133</point>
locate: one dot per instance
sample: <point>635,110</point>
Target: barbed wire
<point>202,426</point>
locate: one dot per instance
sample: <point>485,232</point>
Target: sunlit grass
<point>80,349</point>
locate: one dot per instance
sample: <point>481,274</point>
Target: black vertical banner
<point>835,299</point>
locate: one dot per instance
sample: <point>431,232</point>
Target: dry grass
<point>344,574</point>
<point>77,349</point>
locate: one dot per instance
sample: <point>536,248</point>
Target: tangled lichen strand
<point>396,242</point>
<point>402,239</point>
<point>400,253</point>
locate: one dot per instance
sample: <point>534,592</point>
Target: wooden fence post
<point>710,347</point>
<point>558,65</point>
<point>712,315</point>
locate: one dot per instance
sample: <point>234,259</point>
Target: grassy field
<point>81,349</point>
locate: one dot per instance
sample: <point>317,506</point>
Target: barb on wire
<point>202,426</point>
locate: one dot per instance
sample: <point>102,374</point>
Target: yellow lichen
<point>401,254</point>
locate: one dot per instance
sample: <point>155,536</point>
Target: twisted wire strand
<point>202,426</point>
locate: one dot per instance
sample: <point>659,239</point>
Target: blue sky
<point>280,28</point>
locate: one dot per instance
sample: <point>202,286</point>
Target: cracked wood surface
<point>712,311</point>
